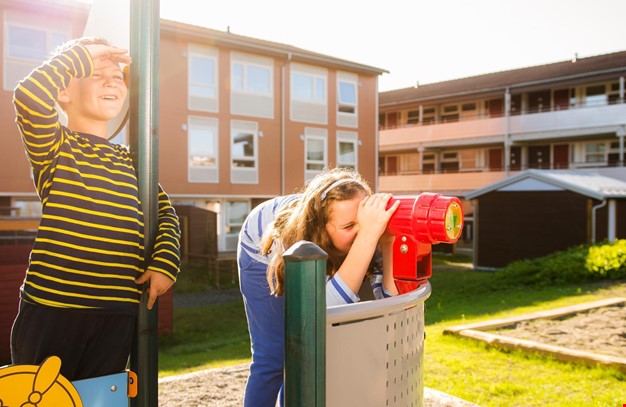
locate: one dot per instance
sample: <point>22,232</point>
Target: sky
<point>420,41</point>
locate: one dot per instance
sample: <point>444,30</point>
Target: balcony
<point>460,183</point>
<point>445,183</point>
<point>480,131</point>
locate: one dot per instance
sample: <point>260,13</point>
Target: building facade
<point>241,120</point>
<point>456,136</point>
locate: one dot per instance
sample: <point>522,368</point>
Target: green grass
<point>204,338</point>
<point>217,336</point>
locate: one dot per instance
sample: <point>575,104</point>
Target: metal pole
<point>143,126</point>
<point>305,325</point>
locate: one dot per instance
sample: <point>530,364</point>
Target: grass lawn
<point>217,336</point>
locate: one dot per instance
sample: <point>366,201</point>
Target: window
<point>251,85</point>
<point>244,152</point>
<point>315,151</point>
<point>203,89</point>
<point>347,145</point>
<point>308,88</point>
<point>613,156</point>
<point>450,162</point>
<point>450,113</point>
<point>468,111</point>
<point>428,163</point>
<point>27,208</point>
<point>428,115</point>
<point>236,212</point>
<point>614,94</point>
<point>27,43</point>
<point>595,95</point>
<point>309,97</point>
<point>346,96</point>
<point>595,153</point>
<point>413,117</point>
<point>251,78</point>
<point>202,148</point>
<point>516,105</point>
<point>347,99</point>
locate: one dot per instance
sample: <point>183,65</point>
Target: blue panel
<point>104,391</point>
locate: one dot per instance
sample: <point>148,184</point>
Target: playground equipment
<point>373,352</point>
<point>418,223</point>
<point>43,386</point>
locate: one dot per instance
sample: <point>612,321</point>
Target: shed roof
<point>593,185</point>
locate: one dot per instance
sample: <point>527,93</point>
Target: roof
<point>498,81</point>
<point>227,38</point>
<point>589,184</point>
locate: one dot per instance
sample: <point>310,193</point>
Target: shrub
<point>577,264</point>
<point>608,260</point>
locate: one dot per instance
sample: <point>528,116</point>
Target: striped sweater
<point>89,246</point>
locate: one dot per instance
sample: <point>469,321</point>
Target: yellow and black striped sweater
<point>89,246</point>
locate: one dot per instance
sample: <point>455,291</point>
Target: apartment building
<point>241,119</point>
<point>456,136</point>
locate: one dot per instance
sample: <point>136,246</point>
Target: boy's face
<point>99,97</point>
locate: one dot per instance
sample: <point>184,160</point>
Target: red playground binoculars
<point>417,224</point>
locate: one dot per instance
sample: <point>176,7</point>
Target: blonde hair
<point>306,218</point>
<point>66,46</point>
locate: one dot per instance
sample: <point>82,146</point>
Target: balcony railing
<point>465,116</point>
<point>572,165</point>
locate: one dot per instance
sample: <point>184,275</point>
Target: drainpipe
<point>621,132</point>
<point>507,134</point>
<point>376,143</point>
<point>282,124</point>
<point>474,235</point>
<point>612,228</point>
<point>593,219</point>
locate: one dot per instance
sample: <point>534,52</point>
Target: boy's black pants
<point>89,344</point>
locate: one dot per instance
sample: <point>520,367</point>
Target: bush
<point>608,260</point>
<point>577,264</point>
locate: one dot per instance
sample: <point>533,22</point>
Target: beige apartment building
<point>241,119</point>
<point>457,136</point>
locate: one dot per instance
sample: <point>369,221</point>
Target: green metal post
<point>305,325</point>
<point>143,130</point>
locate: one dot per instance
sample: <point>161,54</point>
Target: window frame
<point>348,138</point>
<point>245,76</point>
<point>244,174</point>
<point>314,79</point>
<point>23,21</point>
<point>211,125</point>
<point>212,85</point>
<point>342,79</point>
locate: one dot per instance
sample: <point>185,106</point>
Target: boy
<point>80,297</point>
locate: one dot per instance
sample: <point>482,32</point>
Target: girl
<point>337,212</point>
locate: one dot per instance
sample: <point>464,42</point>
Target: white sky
<point>418,40</point>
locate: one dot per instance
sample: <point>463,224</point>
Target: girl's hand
<point>373,214</point>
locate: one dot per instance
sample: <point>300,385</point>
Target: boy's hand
<point>106,52</point>
<point>159,284</point>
